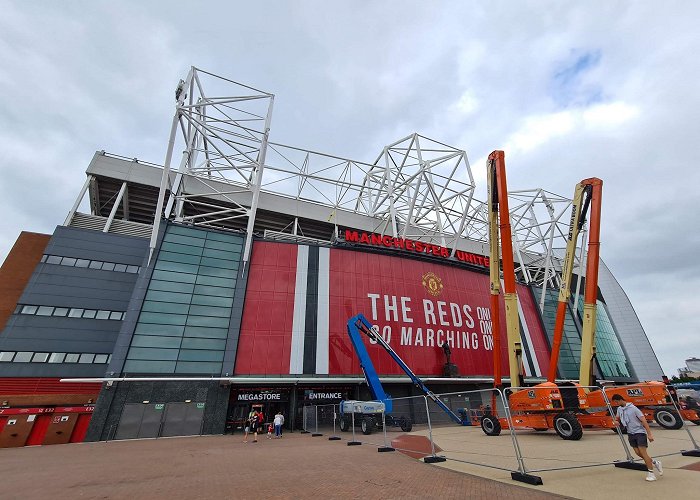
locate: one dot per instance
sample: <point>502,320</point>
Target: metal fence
<point>506,430</point>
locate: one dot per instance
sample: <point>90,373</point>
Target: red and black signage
<point>417,306</point>
<point>408,245</point>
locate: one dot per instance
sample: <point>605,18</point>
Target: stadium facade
<point>183,294</point>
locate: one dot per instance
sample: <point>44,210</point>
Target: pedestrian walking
<point>251,425</point>
<point>637,433</point>
<point>279,421</point>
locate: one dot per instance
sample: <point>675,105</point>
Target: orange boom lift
<point>544,406</point>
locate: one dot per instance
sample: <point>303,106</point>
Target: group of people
<point>256,421</point>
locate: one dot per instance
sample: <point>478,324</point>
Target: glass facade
<point>570,352</point>
<point>184,319</point>
<point>609,354</point>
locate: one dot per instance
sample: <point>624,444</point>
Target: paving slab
<point>294,467</point>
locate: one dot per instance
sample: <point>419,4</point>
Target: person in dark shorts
<point>638,432</point>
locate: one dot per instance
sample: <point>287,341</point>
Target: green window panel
<point>195,367</point>
<point>164,307</point>
<point>207,321</point>
<point>221,254</point>
<point>183,240</point>
<point>210,280</point>
<point>134,366</point>
<point>227,238</point>
<point>224,264</point>
<point>200,355</point>
<point>170,286</point>
<point>171,276</point>
<point>218,312</point>
<point>177,267</point>
<point>156,341</point>
<point>213,290</point>
<point>207,333</point>
<point>217,272</point>
<point>179,257</point>
<point>162,318</point>
<point>152,354</point>
<point>220,245</point>
<point>184,249</point>
<point>165,330</point>
<point>179,298</point>
<point>208,300</point>
<point>211,344</point>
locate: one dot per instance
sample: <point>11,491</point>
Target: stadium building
<point>180,295</point>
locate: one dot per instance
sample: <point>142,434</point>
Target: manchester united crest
<point>432,284</point>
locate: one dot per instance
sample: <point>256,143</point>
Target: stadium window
<point>44,257</point>
<point>115,315</point>
<point>82,263</point>
<point>44,311</point>
<point>57,357</point>
<point>60,311</point>
<point>54,259</point>
<point>89,313</point>
<point>72,358</point>
<point>132,269</point>
<point>100,358</point>
<point>120,268</point>
<point>95,264</point>
<point>29,309</point>
<point>68,261</point>
<point>108,266</point>
<point>40,357</point>
<point>17,310</point>
<point>7,355</point>
<point>102,315</point>
<point>75,313</point>
<point>23,357</point>
<point>86,358</point>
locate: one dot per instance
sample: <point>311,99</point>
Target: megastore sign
<point>408,245</point>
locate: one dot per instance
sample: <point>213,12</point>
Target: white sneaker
<point>658,467</point>
<point>650,476</point>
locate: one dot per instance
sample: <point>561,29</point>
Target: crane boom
<point>498,211</point>
<point>587,195</point>
<point>359,324</point>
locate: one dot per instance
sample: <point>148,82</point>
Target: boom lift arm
<point>498,209</point>
<point>587,195</point>
<point>359,324</point>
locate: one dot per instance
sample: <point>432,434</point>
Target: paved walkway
<point>296,466</point>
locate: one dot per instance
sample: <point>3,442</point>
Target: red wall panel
<point>457,310</point>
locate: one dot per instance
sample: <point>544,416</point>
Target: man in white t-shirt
<point>637,433</point>
<point>279,420</point>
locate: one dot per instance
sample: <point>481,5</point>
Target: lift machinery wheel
<point>567,426</point>
<point>367,425</point>
<point>490,425</point>
<point>344,424</point>
<point>668,418</point>
<point>405,424</point>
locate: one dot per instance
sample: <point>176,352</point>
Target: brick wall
<point>17,269</point>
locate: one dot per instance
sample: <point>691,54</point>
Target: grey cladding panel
<point>81,243</point>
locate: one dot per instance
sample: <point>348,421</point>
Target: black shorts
<point>638,440</point>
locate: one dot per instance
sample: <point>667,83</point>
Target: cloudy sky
<point>568,89</point>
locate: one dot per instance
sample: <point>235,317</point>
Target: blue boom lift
<point>369,411</point>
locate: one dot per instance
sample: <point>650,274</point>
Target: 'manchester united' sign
<point>409,245</point>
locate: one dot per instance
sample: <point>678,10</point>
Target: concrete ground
<point>580,475</point>
<point>302,466</point>
<point>294,467</point>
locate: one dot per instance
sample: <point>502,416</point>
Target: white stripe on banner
<point>296,355</point>
<point>531,346</point>
<point>322,320</point>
